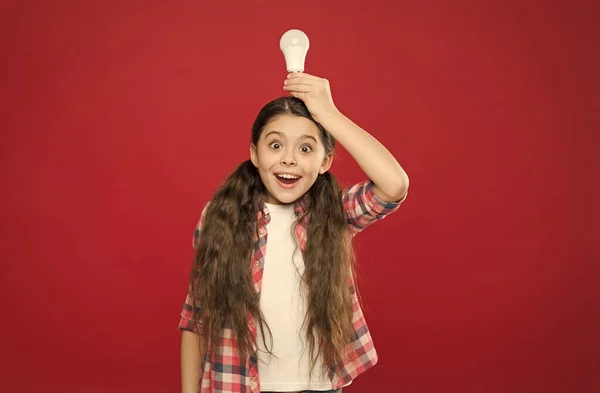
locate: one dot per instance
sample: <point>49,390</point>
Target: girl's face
<point>289,156</point>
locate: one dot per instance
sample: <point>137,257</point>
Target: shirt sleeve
<point>186,321</point>
<point>363,207</point>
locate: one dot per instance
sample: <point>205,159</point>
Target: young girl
<point>272,304</point>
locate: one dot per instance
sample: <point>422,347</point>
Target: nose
<point>288,158</point>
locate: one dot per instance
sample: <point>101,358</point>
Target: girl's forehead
<point>291,126</point>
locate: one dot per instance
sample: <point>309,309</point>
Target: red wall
<point>119,120</point>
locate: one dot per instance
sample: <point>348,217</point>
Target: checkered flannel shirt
<point>223,371</point>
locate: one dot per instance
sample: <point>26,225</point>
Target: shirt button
<point>253,379</point>
<point>257,263</point>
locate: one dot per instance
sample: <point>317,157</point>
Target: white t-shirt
<point>283,304</point>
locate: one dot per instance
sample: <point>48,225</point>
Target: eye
<point>275,145</point>
<point>306,149</point>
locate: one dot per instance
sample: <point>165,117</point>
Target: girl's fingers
<point>303,78</point>
<point>298,88</point>
<point>299,84</point>
<point>296,81</point>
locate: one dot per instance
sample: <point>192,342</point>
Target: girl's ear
<point>253,155</point>
<point>327,161</point>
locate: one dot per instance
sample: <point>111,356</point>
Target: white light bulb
<point>294,45</point>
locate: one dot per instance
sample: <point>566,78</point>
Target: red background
<point>119,119</point>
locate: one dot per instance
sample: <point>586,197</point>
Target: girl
<point>274,267</point>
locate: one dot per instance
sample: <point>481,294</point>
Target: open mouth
<point>287,179</point>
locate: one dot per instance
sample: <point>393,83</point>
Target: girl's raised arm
<point>391,181</point>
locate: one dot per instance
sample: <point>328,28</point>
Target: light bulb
<point>294,45</point>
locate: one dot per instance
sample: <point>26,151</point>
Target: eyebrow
<point>282,135</point>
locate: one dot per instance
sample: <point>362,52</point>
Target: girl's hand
<point>315,93</point>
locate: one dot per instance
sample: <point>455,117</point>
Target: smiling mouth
<point>287,179</point>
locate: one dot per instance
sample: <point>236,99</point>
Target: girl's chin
<point>284,197</point>
<point>281,200</point>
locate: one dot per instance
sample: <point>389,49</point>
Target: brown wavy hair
<point>221,281</point>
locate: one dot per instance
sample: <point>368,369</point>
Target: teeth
<point>286,176</point>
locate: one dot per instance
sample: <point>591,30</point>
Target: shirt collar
<point>299,208</point>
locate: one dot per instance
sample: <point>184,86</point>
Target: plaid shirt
<point>223,371</point>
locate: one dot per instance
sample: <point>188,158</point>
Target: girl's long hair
<point>221,282</point>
